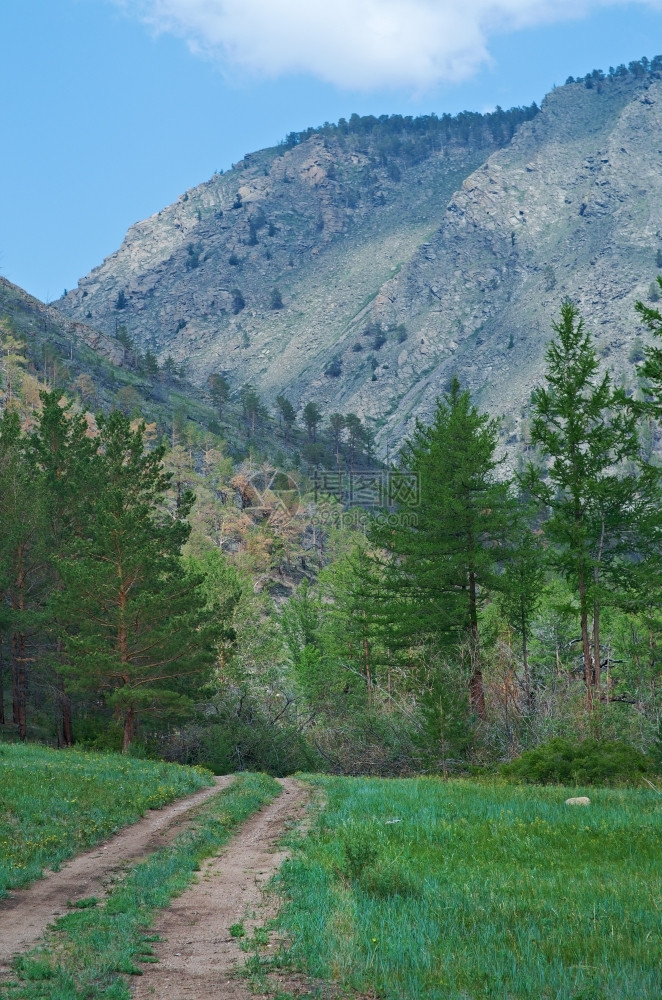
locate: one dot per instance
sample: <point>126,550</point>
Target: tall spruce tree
<point>443,547</point>
<point>651,369</point>
<point>23,560</point>
<point>521,586</point>
<point>135,624</point>
<point>587,434</point>
<point>354,628</point>
<point>61,451</point>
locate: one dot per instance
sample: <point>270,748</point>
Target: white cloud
<point>360,44</point>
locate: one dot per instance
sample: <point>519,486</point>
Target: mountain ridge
<point>349,270</point>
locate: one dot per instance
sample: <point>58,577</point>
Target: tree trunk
<point>528,688</point>
<point>476,687</point>
<point>67,725</point>
<point>586,647</point>
<point>129,729</point>
<point>596,645</point>
<point>368,675</point>
<point>2,683</point>
<point>21,684</point>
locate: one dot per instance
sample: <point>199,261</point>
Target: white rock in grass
<point>579,800</point>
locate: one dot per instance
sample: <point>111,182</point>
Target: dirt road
<point>197,953</point>
<point>25,915</point>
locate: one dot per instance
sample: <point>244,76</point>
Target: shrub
<point>238,301</point>
<point>334,368</point>
<point>590,762</point>
<point>389,878</point>
<point>366,861</point>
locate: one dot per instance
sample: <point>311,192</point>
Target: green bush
<point>590,762</point>
<point>390,878</point>
<point>368,862</point>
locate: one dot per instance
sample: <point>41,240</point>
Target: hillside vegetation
<point>54,805</point>
<point>360,265</point>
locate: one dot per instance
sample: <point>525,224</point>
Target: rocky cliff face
<point>396,270</point>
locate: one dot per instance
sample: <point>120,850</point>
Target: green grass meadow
<point>429,890</point>
<point>91,953</point>
<point>56,803</point>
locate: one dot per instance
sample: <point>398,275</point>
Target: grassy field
<point>53,804</point>
<point>458,891</point>
<point>89,953</point>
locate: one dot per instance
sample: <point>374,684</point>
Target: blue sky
<point>112,108</point>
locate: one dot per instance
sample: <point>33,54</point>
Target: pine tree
<point>354,628</point>
<point>311,418</point>
<point>651,369</point>
<point>287,413</point>
<point>134,623</point>
<point>219,390</point>
<point>337,426</point>
<point>443,548</point>
<point>23,558</point>
<point>586,432</point>
<point>521,587</point>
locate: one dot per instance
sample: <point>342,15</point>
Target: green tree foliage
<point>219,390</point>
<point>336,427</point>
<point>444,546</point>
<point>150,364</point>
<point>61,452</point>
<point>312,416</point>
<point>586,433</point>
<point>23,559</point>
<point>651,369</point>
<point>287,414</point>
<point>355,630</point>
<point>276,299</point>
<point>252,406</point>
<point>521,587</point>
<point>133,623</point>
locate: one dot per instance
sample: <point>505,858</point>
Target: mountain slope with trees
<point>360,265</point>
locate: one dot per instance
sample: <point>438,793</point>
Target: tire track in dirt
<point>26,913</point>
<point>197,955</point>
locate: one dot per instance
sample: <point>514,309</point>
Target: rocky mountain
<point>359,265</point>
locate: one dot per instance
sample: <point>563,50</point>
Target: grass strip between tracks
<point>91,949</point>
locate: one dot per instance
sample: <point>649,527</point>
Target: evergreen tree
<point>521,587</point>
<point>337,426</point>
<point>287,414</point>
<point>358,438</point>
<point>134,622</point>
<point>219,390</point>
<point>62,452</point>
<point>651,370</point>
<point>586,433</point>
<point>23,576</point>
<point>311,417</point>
<point>354,628</point>
<point>444,546</point>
